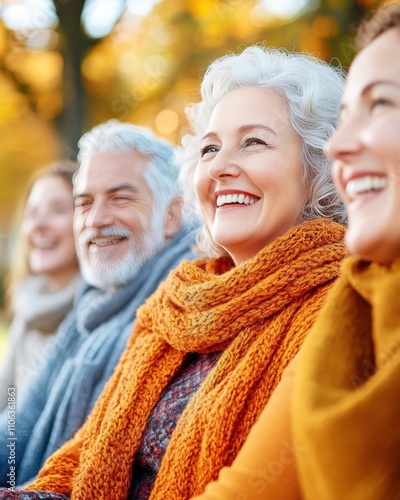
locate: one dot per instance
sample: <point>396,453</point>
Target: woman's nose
<point>345,141</point>
<point>224,164</point>
<point>41,218</point>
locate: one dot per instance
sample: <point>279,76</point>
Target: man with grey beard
<point>129,234</point>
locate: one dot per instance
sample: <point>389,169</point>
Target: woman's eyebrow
<point>251,126</point>
<point>373,84</point>
<point>243,128</point>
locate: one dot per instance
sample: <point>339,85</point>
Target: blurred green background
<point>67,65</point>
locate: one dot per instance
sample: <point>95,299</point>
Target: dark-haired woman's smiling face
<point>366,150</point>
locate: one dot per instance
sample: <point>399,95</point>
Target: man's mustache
<point>90,234</point>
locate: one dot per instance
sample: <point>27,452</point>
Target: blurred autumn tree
<point>70,64</point>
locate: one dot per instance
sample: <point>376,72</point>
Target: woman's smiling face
<point>249,178</point>
<point>366,150</point>
<point>47,230</point>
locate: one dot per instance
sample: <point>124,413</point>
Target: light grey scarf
<point>41,309</point>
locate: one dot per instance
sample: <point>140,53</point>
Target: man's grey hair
<point>114,136</point>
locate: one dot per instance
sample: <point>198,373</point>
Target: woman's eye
<point>254,141</point>
<point>209,148</point>
<point>377,103</point>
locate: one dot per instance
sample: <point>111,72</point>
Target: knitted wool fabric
<point>258,313</point>
<point>346,398</point>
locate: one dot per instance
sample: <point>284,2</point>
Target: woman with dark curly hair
<point>346,403</point>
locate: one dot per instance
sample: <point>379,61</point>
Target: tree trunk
<point>74,44</point>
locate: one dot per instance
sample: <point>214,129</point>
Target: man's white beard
<point>102,271</point>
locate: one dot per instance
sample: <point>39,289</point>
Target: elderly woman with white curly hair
<point>209,348</point>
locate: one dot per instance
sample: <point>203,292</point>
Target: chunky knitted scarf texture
<point>347,393</point>
<point>257,313</point>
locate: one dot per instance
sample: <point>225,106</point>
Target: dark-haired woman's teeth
<point>363,185</point>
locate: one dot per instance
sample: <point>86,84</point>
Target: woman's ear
<point>173,218</point>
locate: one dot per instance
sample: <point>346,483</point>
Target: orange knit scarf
<point>257,312</point>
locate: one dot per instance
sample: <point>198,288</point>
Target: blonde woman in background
<point>44,274</point>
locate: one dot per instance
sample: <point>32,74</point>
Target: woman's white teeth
<point>365,184</point>
<point>235,198</point>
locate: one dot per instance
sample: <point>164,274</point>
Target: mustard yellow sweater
<point>346,406</point>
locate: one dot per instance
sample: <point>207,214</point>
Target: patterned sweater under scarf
<point>257,314</point>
